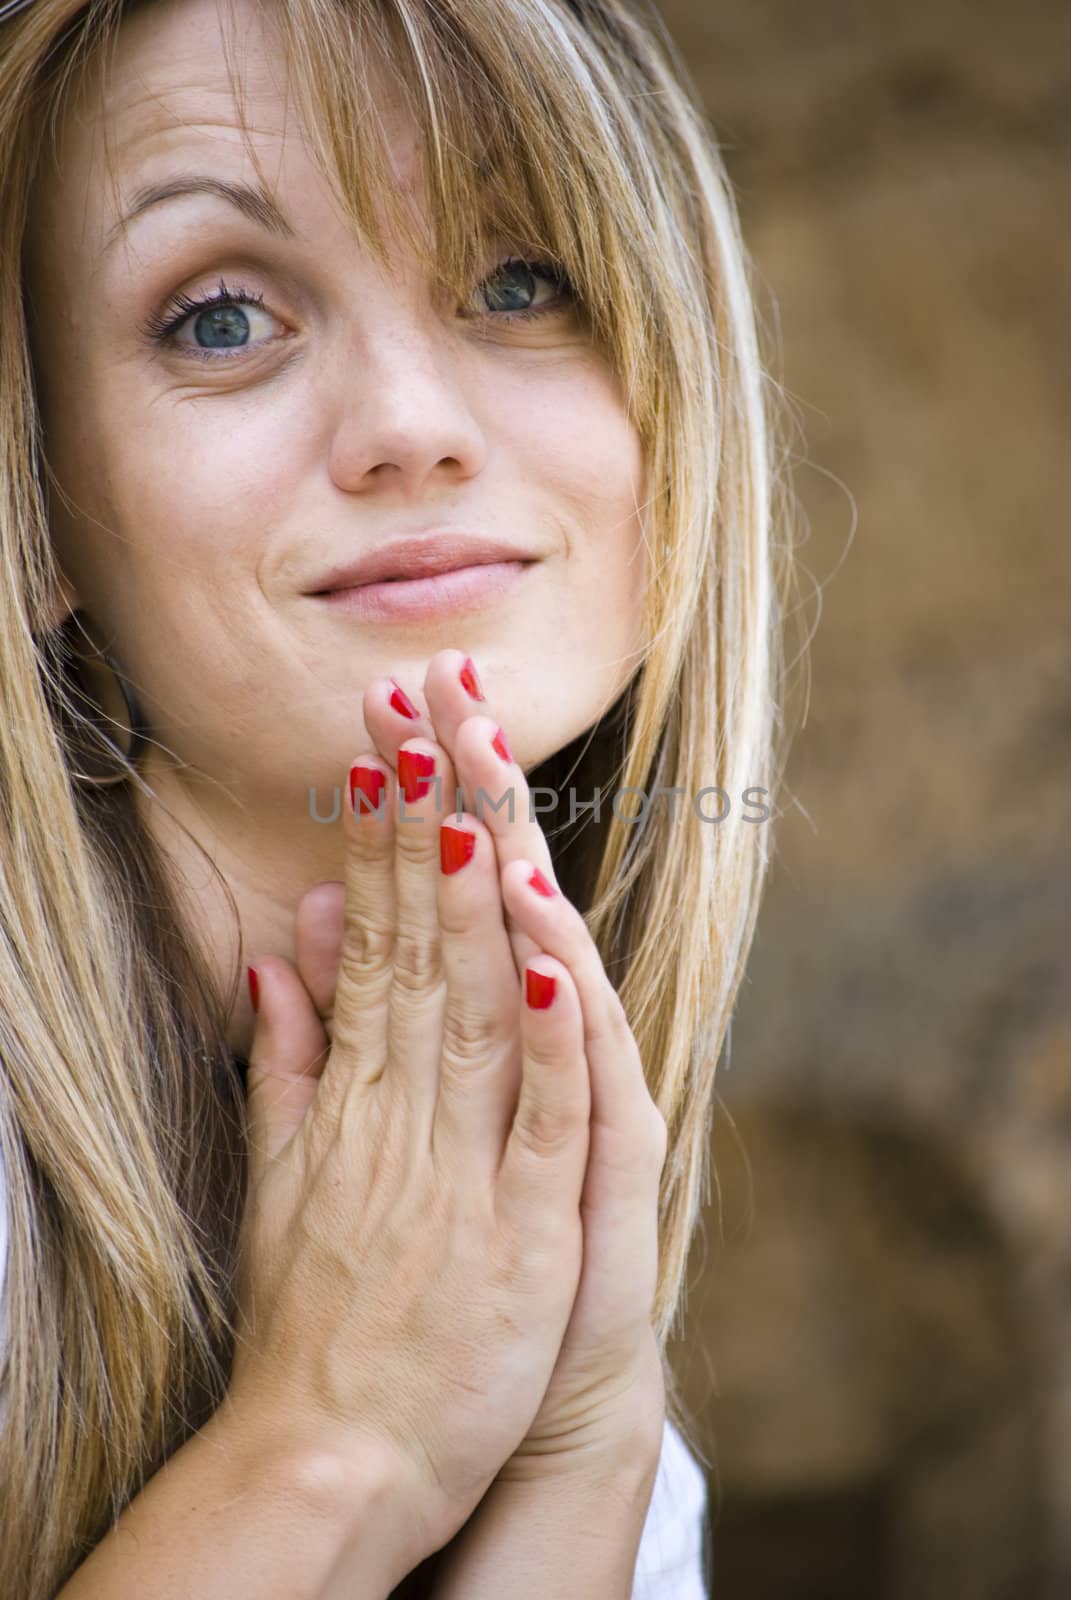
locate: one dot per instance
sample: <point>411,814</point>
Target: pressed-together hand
<point>607,1380</point>
<point>411,1240</point>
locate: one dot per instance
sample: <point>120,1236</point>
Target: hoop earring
<point>138,738</point>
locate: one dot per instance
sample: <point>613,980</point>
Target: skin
<point>199,501</point>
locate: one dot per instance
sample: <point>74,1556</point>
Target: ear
<point>64,600</point>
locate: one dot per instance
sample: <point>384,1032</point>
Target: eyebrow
<point>252,203</point>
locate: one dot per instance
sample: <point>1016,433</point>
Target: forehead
<point>167,93</point>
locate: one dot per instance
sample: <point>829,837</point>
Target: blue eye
<point>220,323</point>
<point>527,272</point>
<point>217,321</point>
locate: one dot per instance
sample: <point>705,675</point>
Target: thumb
<point>286,1059</point>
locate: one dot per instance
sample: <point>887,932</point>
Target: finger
<point>392,715</point>
<point>451,678</point>
<point>286,1060</point>
<point>487,777</point>
<point>418,989</point>
<point>497,793</point>
<point>455,694</point>
<point>366,962</point>
<point>619,1092</point>
<point>319,924</point>
<point>628,1135</point>
<point>481,1062</point>
<point>542,1172</point>
<point>454,689</point>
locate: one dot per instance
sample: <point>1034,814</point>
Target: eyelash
<point>161,326</point>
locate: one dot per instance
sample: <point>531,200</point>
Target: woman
<point>355,1276</point>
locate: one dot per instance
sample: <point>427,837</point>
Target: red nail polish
<point>400,701</point>
<point>370,783</point>
<point>254,987</point>
<point>500,747</point>
<point>414,772</point>
<point>538,989</point>
<point>456,847</point>
<point>469,681</point>
<point>541,885</point>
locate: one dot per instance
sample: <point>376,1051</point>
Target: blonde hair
<point>572,126</point>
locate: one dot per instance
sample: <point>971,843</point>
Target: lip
<point>418,556</point>
<point>472,588</point>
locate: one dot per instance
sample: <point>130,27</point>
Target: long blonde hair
<point>571,125</point>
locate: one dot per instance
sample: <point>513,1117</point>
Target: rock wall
<point>878,1337</point>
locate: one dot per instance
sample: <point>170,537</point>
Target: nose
<point>403,413</point>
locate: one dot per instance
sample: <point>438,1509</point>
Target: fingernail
<point>401,702</point>
<point>538,989</point>
<point>541,885</point>
<point>456,847</point>
<point>254,987</point>
<point>469,681</point>
<point>370,783</point>
<point>414,772</point>
<point>500,747</point>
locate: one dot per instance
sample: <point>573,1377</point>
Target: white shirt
<point>673,1554</point>
<point>676,1553</point>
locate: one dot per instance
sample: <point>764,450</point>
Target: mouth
<point>475,587</point>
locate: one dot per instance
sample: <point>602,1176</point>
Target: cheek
<point>576,437</point>
<point>585,438</point>
<point>196,493</point>
<point>598,473</point>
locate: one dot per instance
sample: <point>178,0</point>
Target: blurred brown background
<point>878,1333</point>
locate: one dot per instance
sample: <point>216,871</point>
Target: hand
<point>607,1380</point>
<point>411,1243</point>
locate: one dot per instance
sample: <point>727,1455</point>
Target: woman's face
<point>212,477</point>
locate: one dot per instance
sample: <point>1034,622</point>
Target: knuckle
<point>354,1052</point>
<point>367,952</point>
<point>417,962</point>
<point>544,1131</point>
<point>615,1008</point>
<point>600,1032</point>
<point>320,1127</point>
<point>371,837</point>
<point>526,1255</point>
<point>656,1135</point>
<point>575,936</point>
<point>610,1026</point>
<point>544,1054</point>
<point>418,841</point>
<point>456,921</point>
<point>470,1035</point>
